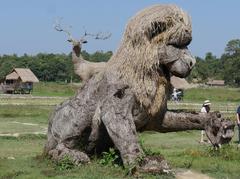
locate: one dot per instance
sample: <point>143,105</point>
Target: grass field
<point>20,156</point>
<point>222,94</point>
<point>54,89</point>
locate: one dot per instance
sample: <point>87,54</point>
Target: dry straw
<point>142,51</point>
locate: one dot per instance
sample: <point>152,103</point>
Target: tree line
<point>48,67</point>
<point>224,68</point>
<point>59,67</point>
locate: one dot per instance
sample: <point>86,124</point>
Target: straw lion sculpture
<point>130,95</point>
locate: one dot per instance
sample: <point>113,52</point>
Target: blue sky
<point>27,25</point>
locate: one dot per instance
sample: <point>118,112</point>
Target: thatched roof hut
<point>216,82</point>
<point>20,80</point>
<point>24,74</point>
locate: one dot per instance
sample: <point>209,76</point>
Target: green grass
<point>181,149</point>
<point>24,119</point>
<point>25,113</point>
<point>54,89</point>
<point>31,101</point>
<point>226,95</point>
<point>28,163</point>
<point>8,127</point>
<point>216,94</point>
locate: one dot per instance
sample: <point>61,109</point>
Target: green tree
<point>48,67</point>
<point>100,56</point>
<point>233,47</point>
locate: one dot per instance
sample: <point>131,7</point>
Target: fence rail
<point>223,107</point>
<point>227,108</point>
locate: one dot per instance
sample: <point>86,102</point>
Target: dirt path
<point>21,96</point>
<point>23,123</point>
<point>22,133</point>
<point>189,174</point>
<point>42,130</point>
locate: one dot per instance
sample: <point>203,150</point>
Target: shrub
<point>109,158</point>
<point>66,163</point>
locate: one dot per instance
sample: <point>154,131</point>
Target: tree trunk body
<point>103,115</point>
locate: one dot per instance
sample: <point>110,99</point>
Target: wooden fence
<point>229,109</point>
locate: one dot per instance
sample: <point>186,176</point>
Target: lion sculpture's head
<point>154,47</point>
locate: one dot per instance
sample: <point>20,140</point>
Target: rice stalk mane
<point>142,51</point>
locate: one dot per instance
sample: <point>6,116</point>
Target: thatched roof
<point>179,83</point>
<point>216,82</point>
<point>12,76</point>
<point>25,74</point>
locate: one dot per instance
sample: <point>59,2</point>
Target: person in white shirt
<point>176,95</point>
<point>205,109</point>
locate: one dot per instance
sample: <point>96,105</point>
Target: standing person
<point>205,109</point>
<point>238,124</point>
<point>174,95</point>
<point>206,106</point>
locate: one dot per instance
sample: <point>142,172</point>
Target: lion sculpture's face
<point>161,34</point>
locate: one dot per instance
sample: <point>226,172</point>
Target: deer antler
<point>58,27</point>
<point>97,36</point>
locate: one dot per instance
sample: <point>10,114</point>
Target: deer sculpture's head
<point>77,44</point>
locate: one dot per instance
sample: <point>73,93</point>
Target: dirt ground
<point>189,174</point>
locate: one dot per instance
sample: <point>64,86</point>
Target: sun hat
<point>206,103</point>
